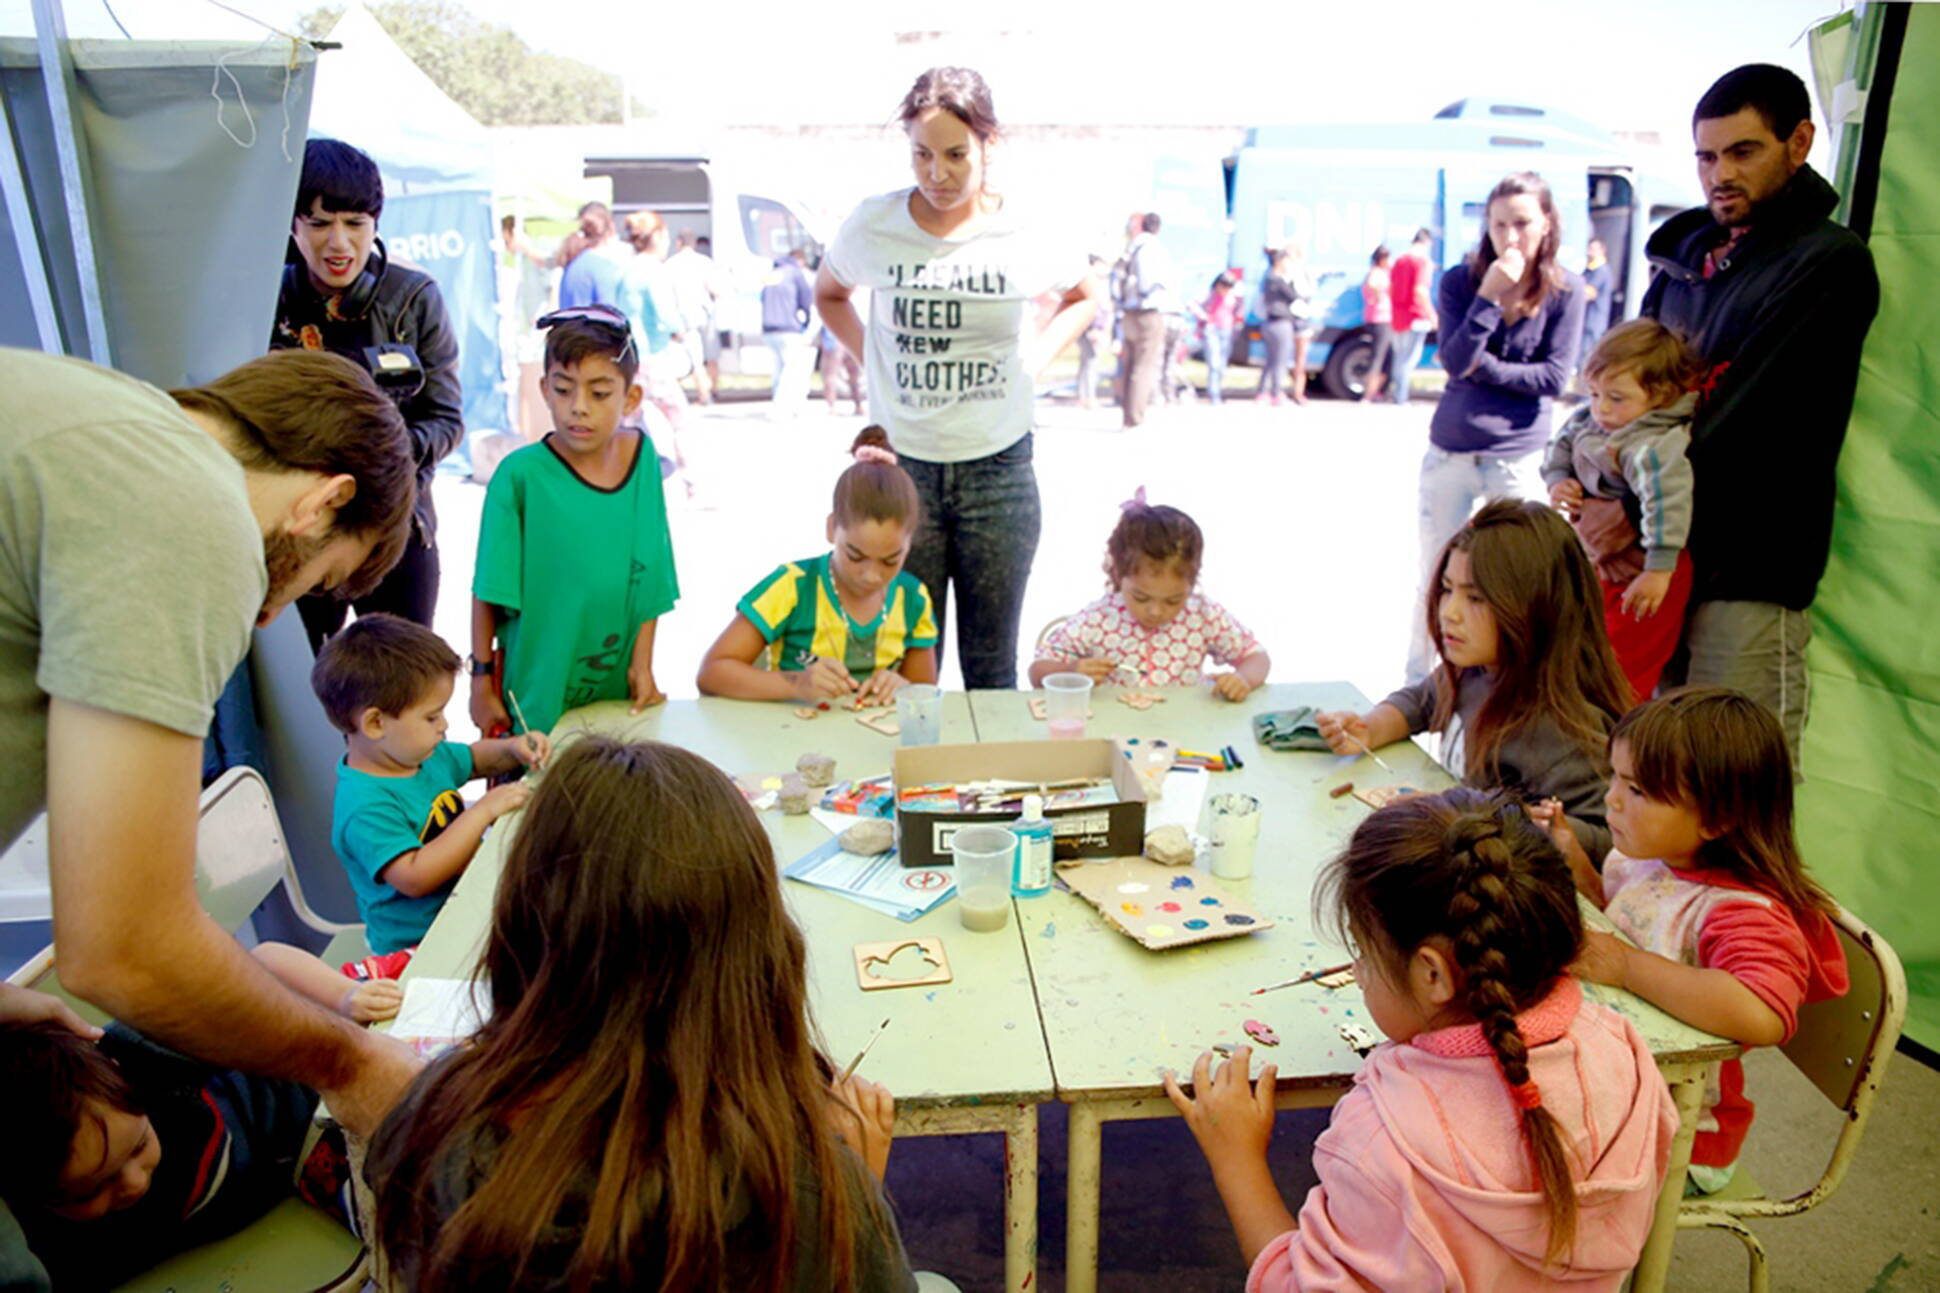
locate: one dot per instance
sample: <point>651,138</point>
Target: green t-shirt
<point>131,566</point>
<point>577,569</point>
<point>379,819</point>
<point>799,615</point>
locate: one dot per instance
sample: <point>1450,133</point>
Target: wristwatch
<point>480,668</point>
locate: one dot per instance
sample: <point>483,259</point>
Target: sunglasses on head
<point>604,316</point>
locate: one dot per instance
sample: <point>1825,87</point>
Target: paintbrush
<point>849,1072</point>
<point>517,715</point>
<point>1308,977</point>
<point>1368,750</point>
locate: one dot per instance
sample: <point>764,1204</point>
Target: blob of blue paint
<point>1182,882</point>
<point>1209,902</point>
<point>1050,930</point>
<point>1195,924</point>
<point>1234,918</point>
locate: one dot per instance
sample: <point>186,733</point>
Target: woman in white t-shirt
<point>952,356</point>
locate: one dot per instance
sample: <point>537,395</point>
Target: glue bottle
<point>1031,873</point>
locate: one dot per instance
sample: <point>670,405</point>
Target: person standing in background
<point>1596,296</point>
<point>787,308</point>
<point>1409,290</point>
<point>593,260</point>
<point>1148,295</point>
<point>1377,313</point>
<point>1509,318</point>
<point>692,277</point>
<point>952,260</point>
<point>342,293</point>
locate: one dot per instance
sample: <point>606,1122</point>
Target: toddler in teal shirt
<point>400,827</point>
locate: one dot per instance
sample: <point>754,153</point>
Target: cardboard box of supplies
<point>1079,830</point>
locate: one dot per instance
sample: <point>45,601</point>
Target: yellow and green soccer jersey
<point>798,614</point>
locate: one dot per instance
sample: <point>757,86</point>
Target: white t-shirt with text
<point>947,323</point>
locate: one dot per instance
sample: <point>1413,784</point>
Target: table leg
<point>1081,1199</point>
<point>1017,1124</point>
<point>1020,1198</point>
<point>1687,1092</point>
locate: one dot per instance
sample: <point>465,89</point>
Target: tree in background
<point>486,68</point>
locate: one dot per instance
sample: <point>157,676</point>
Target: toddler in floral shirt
<point>1153,628</point>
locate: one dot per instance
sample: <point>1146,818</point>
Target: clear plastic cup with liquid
<point>983,861</point>
<point>919,714</point>
<point>1067,703</point>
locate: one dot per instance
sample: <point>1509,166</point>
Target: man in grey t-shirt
<point>142,535</point>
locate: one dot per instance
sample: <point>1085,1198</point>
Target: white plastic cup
<point>1233,827</point>
<point>919,714</point>
<point>983,860</point>
<point>1067,703</point>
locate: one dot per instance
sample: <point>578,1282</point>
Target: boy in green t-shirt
<point>402,831</point>
<point>575,564</point>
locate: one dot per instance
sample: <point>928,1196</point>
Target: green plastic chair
<point>240,859</point>
<point>1842,1046</point>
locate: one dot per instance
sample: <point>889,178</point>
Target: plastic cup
<point>919,714</point>
<point>1233,828</point>
<point>1067,703</point>
<point>983,858</point>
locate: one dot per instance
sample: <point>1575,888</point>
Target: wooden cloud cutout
<point>874,963</point>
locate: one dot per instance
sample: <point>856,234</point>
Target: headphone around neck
<point>355,301</point>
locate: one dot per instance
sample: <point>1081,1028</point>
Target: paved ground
<point>1309,521</point>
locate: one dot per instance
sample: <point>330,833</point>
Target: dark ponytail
<point>1470,868</point>
<point>875,487</point>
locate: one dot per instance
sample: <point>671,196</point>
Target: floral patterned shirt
<point>1172,655</point>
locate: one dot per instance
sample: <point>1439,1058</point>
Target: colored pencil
<point>849,1072</point>
<point>1308,977</point>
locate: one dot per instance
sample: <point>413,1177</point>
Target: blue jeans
<point>1219,348</point>
<point>1453,485</point>
<point>1401,361</point>
<point>980,525</point>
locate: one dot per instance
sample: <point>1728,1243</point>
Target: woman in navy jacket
<point>1510,320</point>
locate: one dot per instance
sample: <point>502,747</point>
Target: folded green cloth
<point>1290,729</point>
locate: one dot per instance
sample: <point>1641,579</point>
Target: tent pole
<point>70,147</point>
<point>26,238</point>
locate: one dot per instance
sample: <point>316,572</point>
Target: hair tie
<point>1526,1095</point>
<point>1136,500</point>
<point>875,453</point>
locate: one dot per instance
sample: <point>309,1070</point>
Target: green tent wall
<point>1869,808</point>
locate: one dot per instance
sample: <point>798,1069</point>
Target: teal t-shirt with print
<point>577,570</point>
<point>378,819</point>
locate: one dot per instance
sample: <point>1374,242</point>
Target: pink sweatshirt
<point>1426,1180</point>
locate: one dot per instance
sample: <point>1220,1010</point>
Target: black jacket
<point>409,311</point>
<point>1780,326</point>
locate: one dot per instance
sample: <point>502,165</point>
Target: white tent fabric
<point>371,94</point>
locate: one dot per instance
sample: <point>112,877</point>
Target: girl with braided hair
<point>1509,1134</point>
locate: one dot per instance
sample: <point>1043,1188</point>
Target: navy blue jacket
<point>1781,325</point>
<point>1502,377</point>
<point>787,301</point>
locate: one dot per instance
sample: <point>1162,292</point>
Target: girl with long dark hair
<point>647,1106</point>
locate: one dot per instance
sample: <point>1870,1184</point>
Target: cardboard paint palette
<point>1160,906</point>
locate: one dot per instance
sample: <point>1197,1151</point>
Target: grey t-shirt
<point>131,566</point>
<point>1537,761</point>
